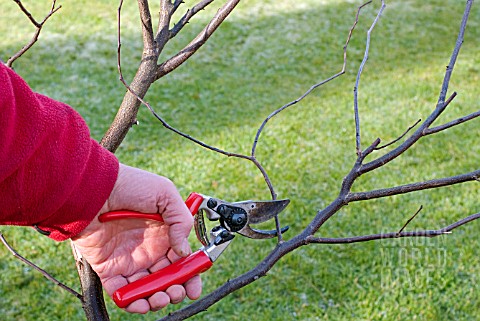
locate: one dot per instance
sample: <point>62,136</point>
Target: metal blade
<point>262,211</point>
<point>260,234</point>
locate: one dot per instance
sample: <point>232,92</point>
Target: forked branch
<point>441,103</point>
<point>174,62</point>
<point>38,29</point>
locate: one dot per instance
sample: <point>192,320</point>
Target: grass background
<point>266,54</point>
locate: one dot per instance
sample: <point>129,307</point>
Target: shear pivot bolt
<point>211,203</point>
<point>238,218</point>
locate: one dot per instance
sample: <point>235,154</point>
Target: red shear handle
<point>177,273</point>
<point>193,202</point>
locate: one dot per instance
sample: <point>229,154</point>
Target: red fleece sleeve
<point>52,174</point>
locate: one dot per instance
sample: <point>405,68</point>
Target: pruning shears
<point>233,218</point>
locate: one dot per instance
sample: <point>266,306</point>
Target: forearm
<point>52,174</point>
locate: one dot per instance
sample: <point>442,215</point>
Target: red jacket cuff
<point>83,206</point>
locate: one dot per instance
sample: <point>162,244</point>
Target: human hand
<point>124,251</point>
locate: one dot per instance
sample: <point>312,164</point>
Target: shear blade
<point>259,212</point>
<point>260,234</point>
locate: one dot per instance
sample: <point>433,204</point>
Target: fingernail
<point>185,248</point>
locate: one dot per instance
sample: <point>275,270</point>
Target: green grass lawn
<point>265,55</point>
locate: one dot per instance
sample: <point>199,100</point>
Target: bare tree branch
<point>28,14</point>
<point>187,16</point>
<point>452,123</point>
<point>357,82</point>
<point>435,183</point>
<point>148,70</point>
<point>176,5</point>
<point>38,29</point>
<point>149,46</point>
<point>394,235</point>
<point>42,271</point>
<point>163,32</point>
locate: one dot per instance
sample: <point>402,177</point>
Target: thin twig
<point>410,219</point>
<point>357,82</point>
<point>441,109</point>
<point>119,43</point>
<point>370,149</point>
<point>428,131</point>
<point>312,88</point>
<point>42,271</point>
<point>394,235</point>
<point>401,136</point>
<point>38,29</point>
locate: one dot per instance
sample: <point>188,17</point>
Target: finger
<point>177,216</point>
<point>113,284</point>
<point>193,287</point>
<point>176,293</point>
<point>158,301</point>
<point>162,263</point>
<point>173,256</point>
<point>140,306</point>
<point>137,276</point>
